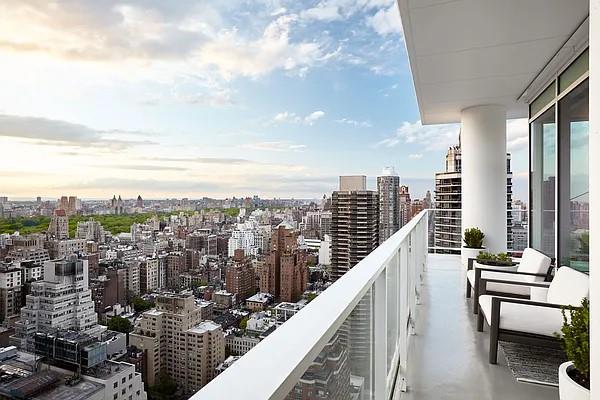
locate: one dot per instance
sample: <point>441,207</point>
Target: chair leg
<point>493,348</point>
<point>494,330</point>
<point>480,321</point>
<point>468,288</point>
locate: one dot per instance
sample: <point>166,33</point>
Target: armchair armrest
<point>509,272</point>
<point>499,300</point>
<point>517,283</point>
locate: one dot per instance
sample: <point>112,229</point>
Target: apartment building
<point>10,291</point>
<point>355,224</point>
<point>62,300</point>
<point>177,342</point>
<point>388,185</point>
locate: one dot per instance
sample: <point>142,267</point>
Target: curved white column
<point>483,142</point>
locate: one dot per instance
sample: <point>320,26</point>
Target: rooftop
<point>205,326</point>
<point>260,298</point>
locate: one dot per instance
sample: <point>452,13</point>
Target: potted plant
<point>574,375</point>
<point>473,244</point>
<point>500,261</point>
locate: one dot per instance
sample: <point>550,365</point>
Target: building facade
<point>388,186</point>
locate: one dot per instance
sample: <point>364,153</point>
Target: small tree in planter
<point>574,376</point>
<point>473,243</point>
<point>473,238</point>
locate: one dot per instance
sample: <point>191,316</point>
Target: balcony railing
<point>349,342</point>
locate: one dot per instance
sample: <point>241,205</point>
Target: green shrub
<point>576,339</point>
<point>473,238</point>
<point>500,259</point>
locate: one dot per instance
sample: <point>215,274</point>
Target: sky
<point>212,98</point>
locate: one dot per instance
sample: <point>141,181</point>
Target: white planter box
<point>568,389</point>
<point>467,252</point>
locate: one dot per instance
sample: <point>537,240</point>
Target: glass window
<point>573,180</point>
<point>575,70</point>
<point>543,99</point>
<point>543,182</point>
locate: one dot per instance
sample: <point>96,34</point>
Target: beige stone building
<point>177,342</point>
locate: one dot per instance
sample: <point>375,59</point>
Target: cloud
<point>386,21</point>
<point>209,160</point>
<point>415,156</point>
<point>166,186</point>
<point>358,124</point>
<point>61,133</point>
<point>433,137</point>
<point>293,118</point>
<point>517,134</point>
<point>233,55</point>
<point>314,116</point>
<point>147,167</point>
<point>276,146</point>
<point>332,10</point>
<point>430,137</point>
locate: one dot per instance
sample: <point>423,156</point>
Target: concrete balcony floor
<point>448,357</point>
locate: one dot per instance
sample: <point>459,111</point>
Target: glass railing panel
<point>343,368</point>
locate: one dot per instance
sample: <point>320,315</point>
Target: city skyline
<point>217,100</point>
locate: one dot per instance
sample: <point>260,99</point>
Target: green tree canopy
<point>120,324</point>
<point>141,305</point>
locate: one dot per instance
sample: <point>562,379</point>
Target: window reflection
<point>574,178</point>
<point>543,182</point>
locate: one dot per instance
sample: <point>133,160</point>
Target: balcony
<point>397,325</point>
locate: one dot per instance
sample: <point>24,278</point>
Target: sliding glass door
<point>559,167</point>
<point>574,206</point>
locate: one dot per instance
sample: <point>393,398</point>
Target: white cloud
<point>415,156</point>
<point>430,137</point>
<point>278,146</point>
<point>45,131</point>
<point>517,134</point>
<point>358,124</point>
<point>293,118</point>
<point>386,21</point>
<point>314,116</point>
<point>322,12</point>
<point>233,55</point>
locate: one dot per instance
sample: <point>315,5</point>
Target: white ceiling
<point>465,53</point>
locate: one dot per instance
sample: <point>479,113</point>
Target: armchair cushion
<point>569,287</point>
<point>534,262</point>
<point>501,287</point>
<point>524,318</point>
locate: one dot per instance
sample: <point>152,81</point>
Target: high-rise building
<point>148,275</point>
<point>404,205</point>
<point>62,300</point>
<point>284,274</point>
<point>59,225</point>
<point>354,225</point>
<point>448,204</point>
<point>178,343</point>
<point>10,291</point>
<point>389,214</point>
<point>176,264</point>
<point>72,207</point>
<point>239,277</point>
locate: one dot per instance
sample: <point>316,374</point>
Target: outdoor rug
<point>532,364</point>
